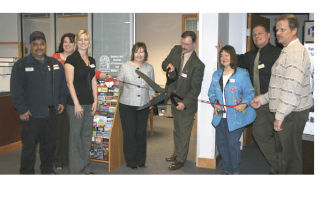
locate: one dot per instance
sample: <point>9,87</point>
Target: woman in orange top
<point>66,47</point>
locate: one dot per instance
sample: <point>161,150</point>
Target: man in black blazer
<point>186,71</point>
<point>268,54</point>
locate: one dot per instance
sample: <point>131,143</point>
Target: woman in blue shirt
<point>230,86</point>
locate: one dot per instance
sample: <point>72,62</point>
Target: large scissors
<point>165,93</point>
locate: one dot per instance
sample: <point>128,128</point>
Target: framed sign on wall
<point>308,32</point>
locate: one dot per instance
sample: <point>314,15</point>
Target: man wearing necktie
<point>259,63</point>
<point>186,70</point>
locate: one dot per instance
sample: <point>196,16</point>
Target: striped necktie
<point>256,80</point>
<point>181,64</point>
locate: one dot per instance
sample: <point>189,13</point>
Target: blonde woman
<point>81,103</point>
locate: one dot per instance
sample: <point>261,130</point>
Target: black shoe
<point>48,173</point>
<point>133,167</point>
<point>142,165</point>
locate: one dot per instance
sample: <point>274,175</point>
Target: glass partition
<point>38,22</point>
<point>113,37</point>
<point>69,23</point>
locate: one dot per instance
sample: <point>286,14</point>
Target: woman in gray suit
<point>134,122</point>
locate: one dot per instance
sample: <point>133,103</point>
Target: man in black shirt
<point>259,63</point>
<point>38,90</point>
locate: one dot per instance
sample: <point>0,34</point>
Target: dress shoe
<point>175,165</point>
<point>89,173</point>
<point>142,165</point>
<point>171,158</point>
<point>133,167</point>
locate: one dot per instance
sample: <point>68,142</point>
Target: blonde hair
<point>78,35</point>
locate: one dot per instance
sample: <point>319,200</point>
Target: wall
<point>301,18</point>
<point>9,27</point>
<point>71,24</point>
<point>10,32</point>
<point>237,31</point>
<point>208,38</point>
<point>160,32</point>
<point>231,29</point>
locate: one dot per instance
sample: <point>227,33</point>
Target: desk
<point>10,126</point>
<point>308,154</point>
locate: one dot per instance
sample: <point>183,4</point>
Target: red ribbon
<point>200,100</point>
<point>208,102</point>
<point>116,80</point>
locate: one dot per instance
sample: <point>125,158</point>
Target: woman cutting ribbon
<point>230,86</point>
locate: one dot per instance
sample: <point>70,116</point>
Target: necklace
<point>228,72</point>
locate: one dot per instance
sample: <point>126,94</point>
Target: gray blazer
<point>133,95</point>
<point>187,84</point>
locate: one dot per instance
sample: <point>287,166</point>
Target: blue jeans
<point>229,147</point>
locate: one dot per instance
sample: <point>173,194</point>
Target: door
<point>190,23</point>
<point>252,20</point>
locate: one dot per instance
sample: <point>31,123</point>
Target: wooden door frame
<point>184,17</point>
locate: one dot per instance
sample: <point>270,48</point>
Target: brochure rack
<point>107,140</point>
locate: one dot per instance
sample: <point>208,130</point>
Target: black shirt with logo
<point>268,55</point>
<point>82,81</point>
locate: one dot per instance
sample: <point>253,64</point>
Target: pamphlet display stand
<point>107,140</point>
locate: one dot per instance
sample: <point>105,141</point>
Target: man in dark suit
<point>186,71</point>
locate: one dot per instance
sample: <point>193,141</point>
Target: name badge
<point>29,69</point>
<point>56,67</point>
<point>92,66</point>
<point>232,80</point>
<point>261,66</point>
<point>184,75</point>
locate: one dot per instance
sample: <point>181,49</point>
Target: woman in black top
<point>82,103</point>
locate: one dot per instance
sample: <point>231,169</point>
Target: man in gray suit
<point>186,71</point>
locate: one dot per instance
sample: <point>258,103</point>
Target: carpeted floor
<point>159,146</point>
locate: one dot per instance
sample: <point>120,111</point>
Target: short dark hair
<point>136,46</point>
<point>265,26</point>
<point>71,37</point>
<point>192,34</point>
<point>233,56</point>
<point>292,20</point>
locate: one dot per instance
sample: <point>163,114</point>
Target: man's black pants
<point>34,131</point>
